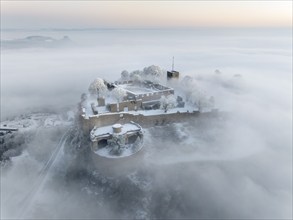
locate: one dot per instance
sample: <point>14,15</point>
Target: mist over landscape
<point>235,166</point>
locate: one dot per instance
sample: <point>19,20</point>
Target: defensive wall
<point>143,120</point>
<point>154,95</point>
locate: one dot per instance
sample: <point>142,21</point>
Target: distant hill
<point>35,41</point>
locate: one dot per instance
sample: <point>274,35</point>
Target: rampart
<point>143,120</point>
<point>154,95</point>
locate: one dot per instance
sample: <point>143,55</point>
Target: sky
<point>145,14</point>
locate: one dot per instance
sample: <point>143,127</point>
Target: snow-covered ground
<point>33,121</point>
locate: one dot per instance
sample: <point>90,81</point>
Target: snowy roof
<point>142,88</point>
<point>117,126</point>
<point>137,90</point>
<point>108,130</point>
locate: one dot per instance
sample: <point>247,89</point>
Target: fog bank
<point>238,165</point>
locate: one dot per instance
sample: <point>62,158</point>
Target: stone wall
<point>131,105</point>
<point>113,107</point>
<point>155,95</point>
<point>143,120</point>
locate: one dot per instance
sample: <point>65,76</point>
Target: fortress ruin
<point>141,103</point>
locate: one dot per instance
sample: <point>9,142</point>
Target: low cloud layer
<point>236,166</point>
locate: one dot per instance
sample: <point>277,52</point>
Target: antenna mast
<point>173,64</point>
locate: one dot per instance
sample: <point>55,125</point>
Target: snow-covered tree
<point>187,82</point>
<point>137,78</point>
<point>154,73</point>
<point>168,102</point>
<point>97,87</point>
<point>125,75</point>
<point>83,97</point>
<point>117,143</point>
<point>118,93</point>
<point>153,70</point>
<point>187,85</point>
<point>135,72</point>
<point>199,98</point>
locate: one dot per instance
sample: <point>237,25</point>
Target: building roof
<point>105,131</point>
<point>141,88</point>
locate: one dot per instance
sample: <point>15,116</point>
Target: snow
<point>101,109</point>
<point>52,121</point>
<point>120,91</point>
<point>137,90</point>
<point>117,126</point>
<point>127,151</point>
<point>35,120</point>
<point>140,90</point>
<point>186,109</point>
<point>97,86</point>
<point>70,116</point>
<point>98,131</point>
<point>170,111</point>
<point>87,108</point>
